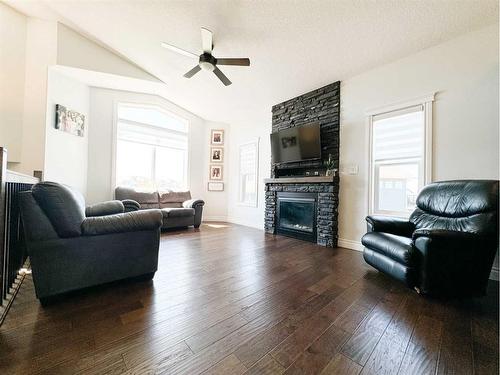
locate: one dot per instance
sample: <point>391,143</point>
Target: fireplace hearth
<point>296,215</point>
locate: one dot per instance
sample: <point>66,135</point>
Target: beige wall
<point>12,72</point>
<point>76,51</point>
<point>41,52</point>
<point>464,74</point>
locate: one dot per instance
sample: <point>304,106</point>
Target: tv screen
<point>296,144</point>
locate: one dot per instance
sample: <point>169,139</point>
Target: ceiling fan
<point>206,60</point>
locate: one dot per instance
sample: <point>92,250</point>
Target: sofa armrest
<point>197,204</point>
<point>392,225</point>
<point>104,208</point>
<point>125,222</point>
<point>131,205</point>
<point>193,203</point>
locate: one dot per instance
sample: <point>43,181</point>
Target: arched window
<point>151,148</point>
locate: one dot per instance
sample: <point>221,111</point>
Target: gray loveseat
<point>177,208</point>
<point>72,246</point>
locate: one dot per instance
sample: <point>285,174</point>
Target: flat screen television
<point>296,144</point>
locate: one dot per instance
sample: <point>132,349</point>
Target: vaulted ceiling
<point>294,46</point>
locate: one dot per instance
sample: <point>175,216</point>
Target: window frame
<point>114,146</point>
<point>427,105</point>
<point>239,201</point>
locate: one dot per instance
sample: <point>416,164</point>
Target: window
<point>399,157</point>
<point>248,160</point>
<point>151,148</point>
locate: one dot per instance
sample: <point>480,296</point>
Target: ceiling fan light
<point>205,65</point>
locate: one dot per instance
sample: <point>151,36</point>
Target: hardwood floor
<point>231,300</point>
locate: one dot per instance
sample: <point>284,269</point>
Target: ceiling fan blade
<point>239,62</point>
<point>179,50</point>
<point>192,72</point>
<point>207,40</point>
<point>222,77</point>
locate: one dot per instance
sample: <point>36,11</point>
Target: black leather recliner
<point>448,244</point>
<point>72,246</point>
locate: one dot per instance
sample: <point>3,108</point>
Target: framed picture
<point>217,137</point>
<point>215,172</point>
<point>69,121</point>
<point>216,186</point>
<point>216,154</point>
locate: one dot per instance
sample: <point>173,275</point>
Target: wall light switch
<point>350,169</point>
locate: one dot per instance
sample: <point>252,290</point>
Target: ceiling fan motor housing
<point>207,62</point>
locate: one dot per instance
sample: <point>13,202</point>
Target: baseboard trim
<point>245,223</point>
<point>215,218</point>
<point>350,244</point>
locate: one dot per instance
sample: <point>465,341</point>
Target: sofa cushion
<point>173,199</point>
<point>177,212</point>
<point>64,206</point>
<point>395,247</point>
<point>147,199</point>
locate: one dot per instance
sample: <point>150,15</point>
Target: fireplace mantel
<point>300,180</point>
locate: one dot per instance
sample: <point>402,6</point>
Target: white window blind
<point>397,160</point>
<point>151,148</point>
<point>248,159</point>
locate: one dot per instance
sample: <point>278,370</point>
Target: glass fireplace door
<point>297,215</point>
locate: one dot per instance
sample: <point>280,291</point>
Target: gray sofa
<point>72,246</point>
<point>177,208</point>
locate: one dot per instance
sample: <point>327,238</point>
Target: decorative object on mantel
<point>216,154</point>
<point>330,166</point>
<point>216,186</point>
<point>69,121</point>
<point>216,172</point>
<point>217,137</point>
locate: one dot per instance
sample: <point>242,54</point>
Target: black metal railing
<point>12,246</point>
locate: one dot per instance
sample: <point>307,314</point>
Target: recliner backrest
<point>64,206</point>
<point>460,205</point>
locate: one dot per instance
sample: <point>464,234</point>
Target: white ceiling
<point>294,46</point>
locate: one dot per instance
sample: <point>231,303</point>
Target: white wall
<point>100,161</point>
<point>66,154</point>
<point>464,73</point>
<point>12,73</point>
<point>244,133</point>
<point>216,201</point>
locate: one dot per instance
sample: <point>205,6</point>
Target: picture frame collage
<point>216,166</point>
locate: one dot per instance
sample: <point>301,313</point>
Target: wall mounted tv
<point>296,144</point>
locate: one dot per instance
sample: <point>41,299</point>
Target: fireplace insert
<point>296,215</point>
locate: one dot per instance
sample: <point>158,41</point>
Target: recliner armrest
<point>448,235</point>
<point>193,203</point>
<point>124,222</point>
<point>104,208</point>
<point>392,225</point>
<point>448,259</point>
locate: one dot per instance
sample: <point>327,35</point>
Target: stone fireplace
<point>300,200</point>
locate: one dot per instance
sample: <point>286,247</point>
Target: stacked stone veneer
<point>318,106</point>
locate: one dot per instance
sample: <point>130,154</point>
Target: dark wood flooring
<point>231,300</point>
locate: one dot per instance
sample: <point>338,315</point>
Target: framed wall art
<point>216,172</point>
<point>216,154</point>
<point>217,137</point>
<point>216,186</point>
<point>70,121</point>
